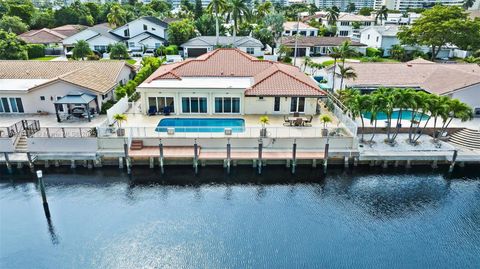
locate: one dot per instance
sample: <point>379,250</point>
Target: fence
<point>66,132</point>
<point>16,129</point>
<point>339,110</point>
<point>120,107</point>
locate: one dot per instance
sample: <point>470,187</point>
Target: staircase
<point>136,145</point>
<point>22,145</point>
<point>466,138</point>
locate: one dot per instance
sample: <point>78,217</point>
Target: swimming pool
<point>190,125</point>
<point>406,115</point>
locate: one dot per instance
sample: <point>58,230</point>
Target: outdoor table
<point>293,119</point>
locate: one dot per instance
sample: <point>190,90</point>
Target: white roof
<point>201,83</point>
<point>20,84</point>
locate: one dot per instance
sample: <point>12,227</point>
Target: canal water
<point>362,218</point>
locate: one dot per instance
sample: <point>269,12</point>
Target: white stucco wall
<point>83,35</point>
<point>59,145</point>
<point>255,105</point>
<point>6,144</point>
<point>136,27</point>
<point>469,95</point>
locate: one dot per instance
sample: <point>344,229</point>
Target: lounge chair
<point>309,121</point>
<point>152,111</point>
<point>166,111</point>
<point>286,121</point>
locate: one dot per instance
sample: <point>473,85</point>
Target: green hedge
<point>35,51</point>
<point>150,64</point>
<point>372,52</point>
<point>169,50</point>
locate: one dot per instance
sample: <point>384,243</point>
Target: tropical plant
<point>398,52</point>
<point>13,24</point>
<point>264,120</point>
<point>237,10</point>
<point>346,73</point>
<point>181,31</point>
<point>274,23</point>
<point>351,7</point>
<point>263,9</point>
<point>325,119</point>
<point>332,15</point>
<point>118,51</point>
<point>117,16</point>
<point>81,50</point>
<point>335,53</point>
<point>120,118</point>
<point>217,7</point>
<point>346,50</point>
<point>12,47</point>
<point>382,14</point>
<point>472,60</point>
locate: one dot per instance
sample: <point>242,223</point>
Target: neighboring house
<point>384,37</point>
<point>230,81</point>
<point>143,33</point>
<point>318,45</point>
<point>146,32</point>
<point>203,44</point>
<point>350,24</point>
<point>401,18</point>
<point>34,86</point>
<point>51,38</point>
<point>97,36</point>
<point>290,28</point>
<point>460,81</point>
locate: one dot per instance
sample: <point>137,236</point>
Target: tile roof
<point>42,36</point>
<point>314,41</point>
<point>223,41</point>
<point>292,25</point>
<point>433,77</point>
<point>69,29</point>
<point>98,76</point>
<point>354,17</point>
<point>269,78</point>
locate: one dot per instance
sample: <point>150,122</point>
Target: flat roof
<point>202,82</point>
<point>20,84</point>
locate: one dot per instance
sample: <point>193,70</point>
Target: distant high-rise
<point>342,4</point>
<point>403,5</point>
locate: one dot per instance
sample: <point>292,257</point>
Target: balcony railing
<point>66,132</point>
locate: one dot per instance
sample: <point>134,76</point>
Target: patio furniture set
<point>297,120</point>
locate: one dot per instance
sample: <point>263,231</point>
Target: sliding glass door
<point>194,104</point>
<point>161,102</point>
<point>297,104</point>
<point>227,104</point>
<point>11,105</point>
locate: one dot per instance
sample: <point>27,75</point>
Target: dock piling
<point>73,165</point>
<point>195,156</point>
<point>294,156</point>
<point>160,146</point>
<point>42,191</point>
<point>125,149</point>
<point>325,162</point>
<point>454,159</point>
<point>229,149</point>
<point>260,152</point>
<point>30,162</point>
<point>7,161</point>
<point>346,162</point>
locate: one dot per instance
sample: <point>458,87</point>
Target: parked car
<point>149,53</point>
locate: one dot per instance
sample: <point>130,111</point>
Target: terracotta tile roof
<point>42,36</point>
<point>316,41</point>
<point>69,29</point>
<point>98,76</point>
<point>269,78</point>
<point>432,77</point>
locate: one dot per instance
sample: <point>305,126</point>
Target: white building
<point>203,44</point>
<point>401,19</point>
<point>318,45</point>
<point>34,86</point>
<point>403,5</point>
<point>229,82</point>
<point>145,32</point>
<point>350,24</point>
<point>290,28</point>
<point>342,4</point>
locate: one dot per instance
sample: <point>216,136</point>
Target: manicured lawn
<point>328,62</point>
<point>45,58</point>
<point>131,61</point>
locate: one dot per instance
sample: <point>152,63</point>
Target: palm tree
<point>346,50</point>
<point>346,72</point>
<point>456,109</point>
<point>263,9</point>
<point>307,61</point>
<point>438,109</point>
<point>335,54</point>
<point>117,16</point>
<point>376,105</point>
<point>419,106</point>
<point>468,4</point>
<point>382,14</point>
<point>332,15</point>
<point>386,99</point>
<point>237,11</point>
<point>404,100</point>
<point>81,50</point>
<point>216,7</point>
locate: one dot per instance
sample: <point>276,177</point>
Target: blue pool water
<point>201,125</point>
<point>406,115</point>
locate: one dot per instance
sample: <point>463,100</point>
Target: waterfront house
<point>203,44</point>
<point>349,24</point>
<point>143,33</point>
<point>290,28</point>
<point>461,81</point>
<point>35,86</point>
<point>229,81</point>
<point>318,45</point>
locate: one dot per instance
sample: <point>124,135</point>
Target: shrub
<point>130,87</point>
<point>35,51</point>
<point>287,60</point>
<point>169,50</point>
<point>372,52</point>
<point>120,92</point>
<point>93,57</point>
<point>135,96</point>
<point>106,106</point>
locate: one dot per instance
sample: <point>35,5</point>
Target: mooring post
<point>125,149</point>
<point>195,156</point>
<point>228,155</point>
<point>325,162</point>
<point>260,152</point>
<point>30,162</point>
<point>7,161</point>
<point>42,191</point>
<point>454,159</point>
<point>294,155</point>
<point>160,146</point>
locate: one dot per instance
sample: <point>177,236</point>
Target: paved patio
<point>51,120</point>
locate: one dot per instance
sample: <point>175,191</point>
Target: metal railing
<point>28,126</point>
<point>66,132</point>
<point>340,111</point>
<point>219,132</point>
